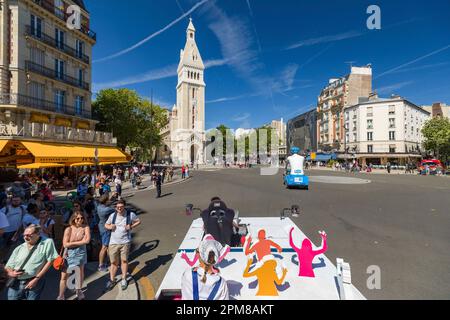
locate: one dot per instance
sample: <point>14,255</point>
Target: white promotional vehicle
<point>330,282</point>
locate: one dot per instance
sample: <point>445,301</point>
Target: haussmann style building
<point>45,88</point>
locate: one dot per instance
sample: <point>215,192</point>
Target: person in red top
<point>183,172</point>
<point>45,190</point>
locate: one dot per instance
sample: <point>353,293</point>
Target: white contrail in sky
<point>140,43</point>
<point>413,61</point>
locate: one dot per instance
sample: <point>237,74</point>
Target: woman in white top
<point>202,283</point>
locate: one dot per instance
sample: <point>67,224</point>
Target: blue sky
<point>269,59</point>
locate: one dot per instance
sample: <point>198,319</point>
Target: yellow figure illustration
<point>265,271</point>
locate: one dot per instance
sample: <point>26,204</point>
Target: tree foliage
<point>436,132</point>
<point>132,120</point>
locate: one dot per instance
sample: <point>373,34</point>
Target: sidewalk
<point>127,189</point>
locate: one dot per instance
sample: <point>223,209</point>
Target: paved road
<point>400,223</point>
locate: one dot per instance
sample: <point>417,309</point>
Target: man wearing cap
<point>203,283</point>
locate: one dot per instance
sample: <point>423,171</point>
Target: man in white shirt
<point>294,164</point>
<point>14,213</point>
<point>3,224</point>
<point>120,224</point>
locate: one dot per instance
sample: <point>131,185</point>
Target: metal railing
<point>45,38</point>
<point>31,102</point>
<point>53,74</point>
<point>50,7</point>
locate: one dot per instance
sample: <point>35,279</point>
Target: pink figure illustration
<point>262,247</point>
<point>225,250</point>
<point>306,254</point>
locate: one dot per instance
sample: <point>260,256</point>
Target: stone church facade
<point>184,136</point>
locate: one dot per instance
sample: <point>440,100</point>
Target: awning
<point>39,118</point>
<point>3,144</point>
<point>40,166</point>
<point>107,163</point>
<point>323,157</point>
<point>82,164</point>
<point>70,154</point>
<point>61,122</point>
<point>83,125</point>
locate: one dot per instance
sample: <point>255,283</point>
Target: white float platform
<point>325,286</point>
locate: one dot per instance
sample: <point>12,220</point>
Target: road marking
<point>147,292</point>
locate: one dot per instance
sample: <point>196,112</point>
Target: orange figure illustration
<point>261,247</point>
<point>266,273</point>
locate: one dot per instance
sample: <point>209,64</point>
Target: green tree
<point>131,119</point>
<point>436,132</point>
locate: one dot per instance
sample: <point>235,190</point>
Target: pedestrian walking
<point>103,212</point>
<point>187,171</point>
<point>118,185</point>
<point>158,184</point>
<point>388,167</point>
<point>183,172</point>
<point>76,237</point>
<point>28,265</point>
<point>120,224</point>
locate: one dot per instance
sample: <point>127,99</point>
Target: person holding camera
<point>28,265</point>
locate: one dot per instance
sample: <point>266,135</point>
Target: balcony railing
<point>53,43</point>
<point>50,7</point>
<point>31,102</point>
<point>53,74</point>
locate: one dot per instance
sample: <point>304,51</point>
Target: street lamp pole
<point>151,131</point>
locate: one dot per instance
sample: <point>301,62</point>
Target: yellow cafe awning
<point>82,164</point>
<point>40,166</point>
<point>61,122</point>
<point>3,144</point>
<point>39,118</point>
<point>83,125</point>
<point>70,154</point>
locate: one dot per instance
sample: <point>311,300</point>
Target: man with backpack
<point>120,224</point>
<point>15,213</point>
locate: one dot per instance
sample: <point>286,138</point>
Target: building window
<point>392,109</point>
<point>59,69</point>
<point>60,100</point>
<point>369,111</point>
<point>193,93</point>
<point>80,77</point>
<point>36,90</point>
<point>36,26</point>
<point>354,125</point>
<point>80,49</point>
<point>369,148</point>
<point>347,138</point>
<point>392,135</point>
<point>369,136</point>
<point>369,124</point>
<point>392,148</point>
<point>37,56</point>
<point>59,38</point>
<point>391,122</point>
<point>354,137</point>
<point>79,105</point>
<point>347,116</point>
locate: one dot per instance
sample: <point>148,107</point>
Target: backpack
<point>128,220</point>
